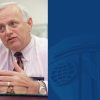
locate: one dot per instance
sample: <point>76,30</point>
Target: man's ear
<point>30,22</point>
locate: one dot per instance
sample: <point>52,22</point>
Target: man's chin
<point>15,47</point>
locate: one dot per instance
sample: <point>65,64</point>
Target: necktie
<point>19,57</point>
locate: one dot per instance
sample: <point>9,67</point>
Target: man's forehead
<point>10,10</point>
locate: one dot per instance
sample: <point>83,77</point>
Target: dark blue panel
<point>74,67</point>
<point>74,50</point>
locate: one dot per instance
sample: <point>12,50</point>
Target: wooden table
<point>22,97</point>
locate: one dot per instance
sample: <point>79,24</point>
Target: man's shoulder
<point>2,46</point>
<point>41,42</point>
<point>3,49</point>
<point>41,45</point>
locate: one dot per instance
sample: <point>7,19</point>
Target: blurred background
<point>38,9</point>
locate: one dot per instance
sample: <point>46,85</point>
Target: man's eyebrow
<point>13,20</point>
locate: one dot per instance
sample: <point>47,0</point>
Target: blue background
<point>74,50</point>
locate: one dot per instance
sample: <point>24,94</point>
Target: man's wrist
<point>37,87</point>
<point>33,88</point>
<point>42,88</point>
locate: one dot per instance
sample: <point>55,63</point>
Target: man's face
<point>14,31</point>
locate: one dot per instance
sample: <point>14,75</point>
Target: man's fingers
<point>3,83</point>
<point>6,78</point>
<point>17,67</point>
<point>7,73</point>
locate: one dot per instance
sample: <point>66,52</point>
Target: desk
<point>22,97</point>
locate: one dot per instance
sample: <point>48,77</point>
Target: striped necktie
<point>19,57</point>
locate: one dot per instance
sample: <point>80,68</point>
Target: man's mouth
<point>11,39</point>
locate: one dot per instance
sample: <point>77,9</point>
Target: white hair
<point>25,13</point>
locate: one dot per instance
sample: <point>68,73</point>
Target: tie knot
<point>18,55</point>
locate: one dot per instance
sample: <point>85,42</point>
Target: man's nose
<point>8,30</point>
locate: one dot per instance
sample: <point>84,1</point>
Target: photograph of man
<point>23,56</point>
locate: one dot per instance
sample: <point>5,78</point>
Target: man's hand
<point>19,80</point>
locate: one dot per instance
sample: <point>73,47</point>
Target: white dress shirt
<point>35,58</point>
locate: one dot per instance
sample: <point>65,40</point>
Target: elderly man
<point>22,55</point>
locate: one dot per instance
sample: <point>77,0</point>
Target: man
<point>16,37</point>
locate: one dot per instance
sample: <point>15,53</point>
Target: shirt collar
<point>26,50</point>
